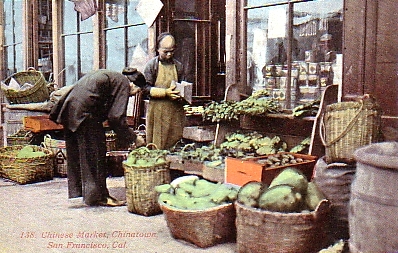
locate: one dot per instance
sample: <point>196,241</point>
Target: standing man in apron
<point>165,116</point>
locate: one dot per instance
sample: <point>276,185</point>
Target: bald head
<point>166,46</point>
<point>167,42</point>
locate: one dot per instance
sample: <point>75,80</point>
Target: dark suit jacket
<point>99,95</point>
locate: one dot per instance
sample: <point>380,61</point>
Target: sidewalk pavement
<point>40,218</point>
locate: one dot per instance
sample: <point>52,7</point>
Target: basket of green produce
<point>290,215</point>
<point>26,164</point>
<point>199,211</point>
<point>144,169</point>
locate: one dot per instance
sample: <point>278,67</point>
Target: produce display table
<point>291,129</point>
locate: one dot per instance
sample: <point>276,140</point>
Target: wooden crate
<point>214,174</point>
<point>193,167</point>
<point>37,124</point>
<point>200,133</point>
<point>239,171</point>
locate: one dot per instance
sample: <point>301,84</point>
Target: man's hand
<point>139,142</point>
<point>171,93</point>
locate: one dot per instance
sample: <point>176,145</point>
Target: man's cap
<point>129,71</point>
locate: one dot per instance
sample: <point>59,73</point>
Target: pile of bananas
<point>258,103</point>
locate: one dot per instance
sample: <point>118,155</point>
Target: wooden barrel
<point>373,213</point>
<point>334,180</point>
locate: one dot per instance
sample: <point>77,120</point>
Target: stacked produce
<point>192,193</point>
<point>290,191</point>
<point>221,111</point>
<point>201,154</point>
<point>259,103</point>
<point>145,157</point>
<point>240,145</point>
<point>280,159</point>
<point>207,154</point>
<point>302,147</point>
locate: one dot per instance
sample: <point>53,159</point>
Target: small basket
<point>22,137</point>
<point>347,126</point>
<point>204,228</point>
<point>271,232</point>
<point>58,147</point>
<point>141,131</point>
<point>38,93</point>
<point>26,170</point>
<point>140,187</point>
<point>110,141</point>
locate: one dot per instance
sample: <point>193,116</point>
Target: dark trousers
<point>86,158</point>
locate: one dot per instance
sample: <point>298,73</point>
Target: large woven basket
<point>347,126</point>
<point>204,228</point>
<point>38,93</point>
<point>273,232</point>
<point>140,187</point>
<point>26,170</point>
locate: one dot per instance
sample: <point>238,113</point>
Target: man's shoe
<point>112,202</point>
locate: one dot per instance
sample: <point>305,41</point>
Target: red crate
<point>240,171</point>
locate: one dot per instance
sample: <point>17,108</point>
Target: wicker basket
<point>204,228</point>
<point>26,170</point>
<point>38,93</point>
<point>140,183</point>
<point>272,232</point>
<point>347,126</point>
<point>22,137</point>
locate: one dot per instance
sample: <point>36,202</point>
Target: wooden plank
<point>38,124</point>
<point>41,123</point>
<point>329,96</point>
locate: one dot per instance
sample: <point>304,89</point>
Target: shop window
<point>294,48</point>
<point>78,41</point>
<point>44,37</point>
<point>126,36</point>
<point>13,48</point>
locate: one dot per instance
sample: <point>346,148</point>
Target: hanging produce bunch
<point>259,103</point>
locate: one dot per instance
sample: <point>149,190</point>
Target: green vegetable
<point>314,196</point>
<point>280,198</point>
<point>292,177</point>
<point>29,152</point>
<point>248,194</point>
<point>163,188</point>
